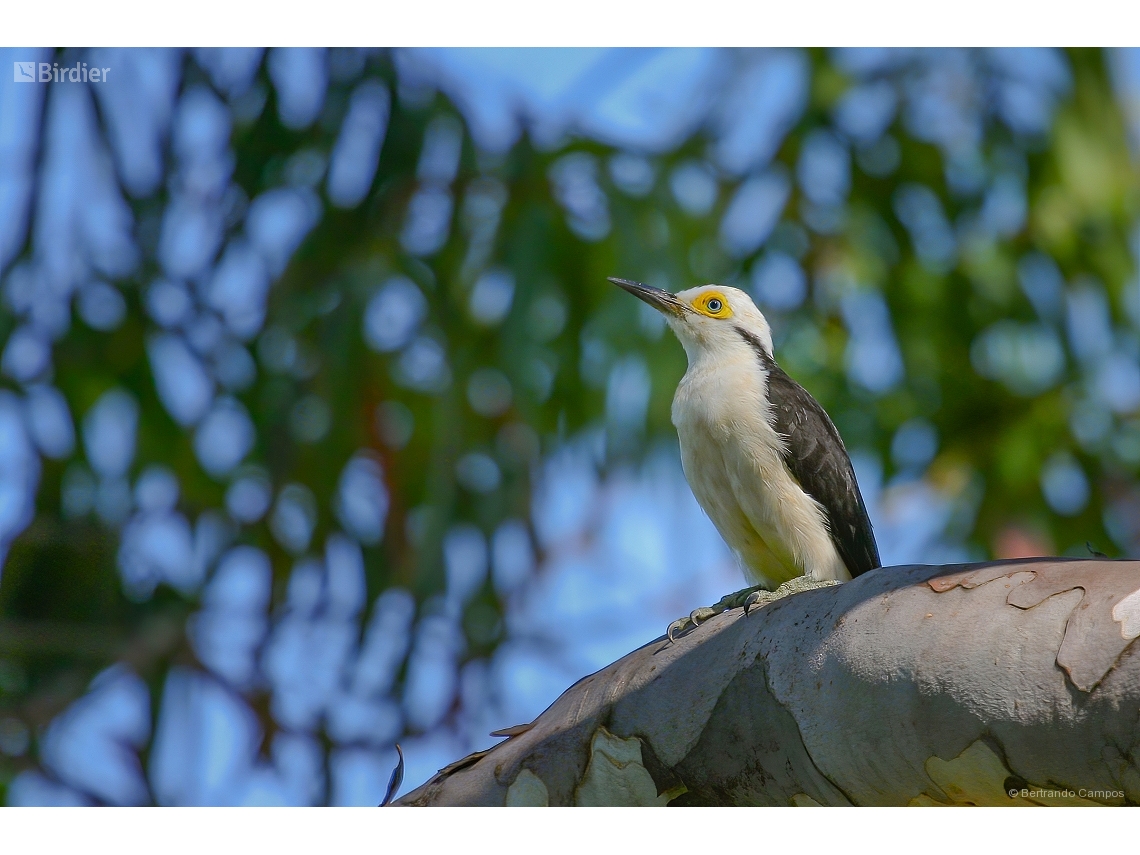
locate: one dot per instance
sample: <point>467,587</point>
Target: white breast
<point>732,460</point>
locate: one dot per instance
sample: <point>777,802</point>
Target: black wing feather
<point>817,458</point>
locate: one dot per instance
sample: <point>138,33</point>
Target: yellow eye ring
<point>713,304</point>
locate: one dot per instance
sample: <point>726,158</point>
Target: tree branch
<point>907,685</point>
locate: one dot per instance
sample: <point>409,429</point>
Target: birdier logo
<point>51,72</point>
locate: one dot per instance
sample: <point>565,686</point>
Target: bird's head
<point>709,320</point>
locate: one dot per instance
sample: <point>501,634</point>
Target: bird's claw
<point>749,598</point>
<point>694,619</point>
<point>754,599</point>
<point>698,616</point>
<point>679,625</point>
<point>703,614</point>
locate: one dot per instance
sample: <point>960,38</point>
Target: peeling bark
<point>908,685</point>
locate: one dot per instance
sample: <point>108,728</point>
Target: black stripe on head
<point>754,342</point>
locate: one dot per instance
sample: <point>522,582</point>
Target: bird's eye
<point>712,304</point>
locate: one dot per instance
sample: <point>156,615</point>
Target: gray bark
<point>907,685</point>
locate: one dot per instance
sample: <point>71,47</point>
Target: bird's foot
<point>698,616</point>
<point>748,599</point>
<point>760,597</point>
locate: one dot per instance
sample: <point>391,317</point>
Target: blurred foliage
<point>63,615</point>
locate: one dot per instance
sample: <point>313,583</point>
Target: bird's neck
<point>720,353</point>
<point>715,385</point>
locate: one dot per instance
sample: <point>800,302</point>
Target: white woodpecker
<point>761,455</point>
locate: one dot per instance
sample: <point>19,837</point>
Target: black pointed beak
<point>661,300</point>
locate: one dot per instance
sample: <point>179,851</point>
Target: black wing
<point>816,456</point>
